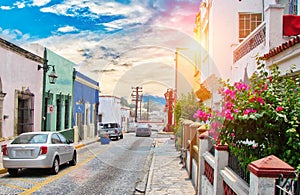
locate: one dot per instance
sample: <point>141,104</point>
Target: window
<point>247,23</point>
<point>62,138</point>
<point>31,139</point>
<point>67,114</point>
<point>25,112</point>
<point>45,114</point>
<point>293,7</point>
<point>87,119</point>
<point>58,114</point>
<point>55,139</point>
<point>100,117</point>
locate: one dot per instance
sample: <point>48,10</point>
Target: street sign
<point>50,109</point>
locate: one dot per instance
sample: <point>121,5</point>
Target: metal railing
<point>289,185</point>
<point>234,164</point>
<point>68,133</point>
<point>211,145</point>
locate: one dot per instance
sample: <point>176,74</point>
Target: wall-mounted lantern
<point>52,75</point>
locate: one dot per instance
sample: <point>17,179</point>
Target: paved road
<point>115,168</point>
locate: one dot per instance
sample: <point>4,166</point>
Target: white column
<point>221,160</point>
<point>263,173</point>
<point>274,25</point>
<point>203,147</point>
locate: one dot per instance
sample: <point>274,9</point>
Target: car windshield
<point>31,139</point>
<point>110,125</point>
<point>143,126</point>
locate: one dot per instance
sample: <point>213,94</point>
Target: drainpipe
<point>44,110</point>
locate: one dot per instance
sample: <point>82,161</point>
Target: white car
<point>143,130</point>
<point>38,150</point>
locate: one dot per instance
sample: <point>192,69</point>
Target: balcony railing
<point>234,164</point>
<point>252,41</point>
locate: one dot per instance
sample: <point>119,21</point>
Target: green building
<point>58,94</point>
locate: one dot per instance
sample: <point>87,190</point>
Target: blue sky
<point>105,38</point>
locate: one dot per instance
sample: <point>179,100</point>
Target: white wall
<point>17,72</point>
<point>110,108</point>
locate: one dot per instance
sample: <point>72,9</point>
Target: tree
<point>186,106</point>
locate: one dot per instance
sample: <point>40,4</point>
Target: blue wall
<point>85,90</point>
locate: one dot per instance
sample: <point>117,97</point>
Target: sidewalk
<point>166,174</point>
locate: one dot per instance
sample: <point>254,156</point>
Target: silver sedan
<point>38,150</point>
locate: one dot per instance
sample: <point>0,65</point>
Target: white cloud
<point>13,35</point>
<point>23,4</point>
<point>6,7</point>
<point>20,4</point>
<point>67,29</point>
<point>40,3</point>
<point>134,13</point>
<point>146,47</point>
<point>111,26</point>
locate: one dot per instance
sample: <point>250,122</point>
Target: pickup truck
<point>111,130</point>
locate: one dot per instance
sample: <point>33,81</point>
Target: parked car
<point>131,127</point>
<point>38,150</point>
<point>143,130</point>
<point>112,130</point>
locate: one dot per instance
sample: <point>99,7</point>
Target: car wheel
<point>13,172</point>
<point>74,159</point>
<point>121,137</point>
<point>55,166</point>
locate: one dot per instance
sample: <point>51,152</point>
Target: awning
<point>291,25</point>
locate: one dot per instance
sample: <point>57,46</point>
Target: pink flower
<point>229,105</point>
<point>215,125</point>
<point>230,93</point>
<point>260,100</point>
<point>241,86</point>
<point>202,116</point>
<point>249,110</point>
<point>279,109</point>
<point>232,135</point>
<point>254,146</point>
<point>251,99</point>
<point>265,87</point>
<point>228,115</point>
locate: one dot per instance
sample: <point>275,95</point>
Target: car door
<point>68,148</point>
<point>59,147</point>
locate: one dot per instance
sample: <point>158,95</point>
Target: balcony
<point>252,41</point>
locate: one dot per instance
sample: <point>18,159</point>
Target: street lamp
<point>52,75</point>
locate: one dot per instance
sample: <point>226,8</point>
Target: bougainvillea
<point>260,118</point>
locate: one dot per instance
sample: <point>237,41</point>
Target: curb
<point>150,174</point>
<point>3,170</point>
<point>141,186</point>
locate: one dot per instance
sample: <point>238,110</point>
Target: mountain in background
<point>157,99</point>
<point>160,101</point>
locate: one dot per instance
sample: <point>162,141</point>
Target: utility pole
<point>140,100</point>
<point>135,94</point>
<point>148,109</point>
